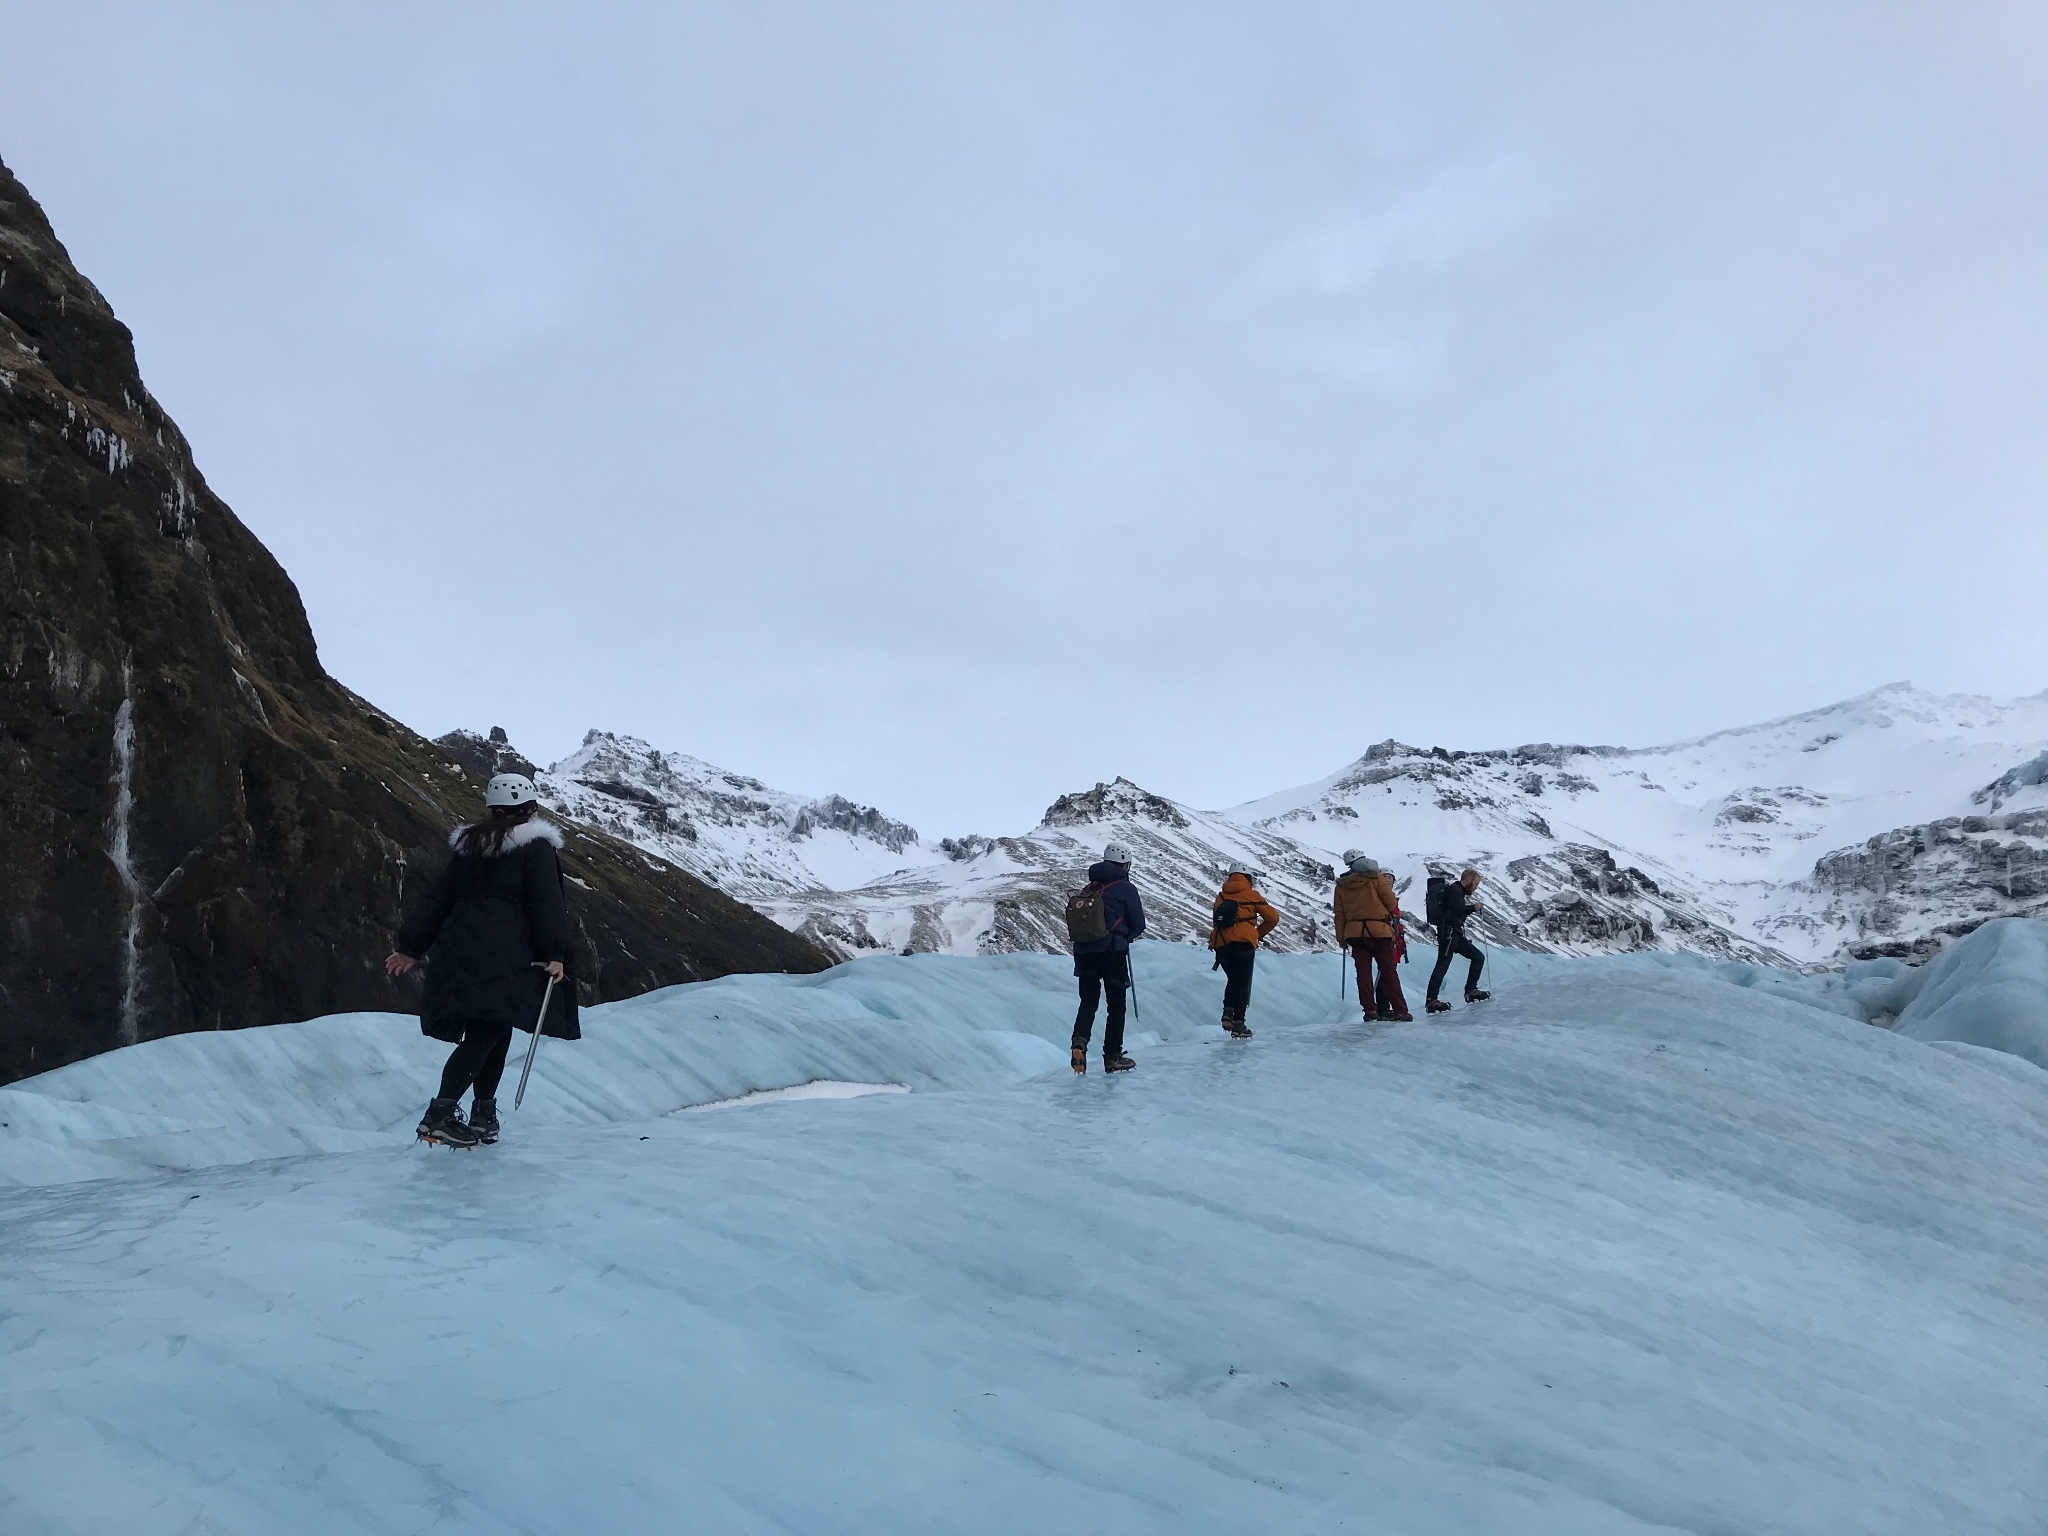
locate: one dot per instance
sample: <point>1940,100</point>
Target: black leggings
<point>1236,961</point>
<point>1104,973</point>
<point>1455,943</point>
<point>480,1060</point>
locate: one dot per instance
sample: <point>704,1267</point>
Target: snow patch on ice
<point>819,1088</point>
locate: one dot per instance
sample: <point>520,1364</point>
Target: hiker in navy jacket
<point>1105,963</point>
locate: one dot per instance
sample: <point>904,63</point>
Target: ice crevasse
<point>1642,1244</point>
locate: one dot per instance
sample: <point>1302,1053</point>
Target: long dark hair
<point>486,839</point>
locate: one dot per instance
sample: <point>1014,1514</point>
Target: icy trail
<point>1630,1249</point>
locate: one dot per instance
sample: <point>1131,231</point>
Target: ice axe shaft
<point>532,1050</point>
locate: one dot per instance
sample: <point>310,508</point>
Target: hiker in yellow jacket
<point>1368,917</point>
<point>1242,919</point>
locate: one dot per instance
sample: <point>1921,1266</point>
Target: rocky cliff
<point>199,829</point>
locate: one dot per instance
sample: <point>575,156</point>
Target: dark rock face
<point>1578,897</point>
<point>199,829</point>
<point>485,756</point>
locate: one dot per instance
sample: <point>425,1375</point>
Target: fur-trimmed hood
<point>529,831</point>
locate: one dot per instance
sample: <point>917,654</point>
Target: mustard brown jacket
<point>1256,916</point>
<point>1366,907</point>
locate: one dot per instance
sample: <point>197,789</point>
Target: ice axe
<point>532,1050</point>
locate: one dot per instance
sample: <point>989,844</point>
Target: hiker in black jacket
<point>1454,905</point>
<point>1105,963</point>
<point>494,928</point>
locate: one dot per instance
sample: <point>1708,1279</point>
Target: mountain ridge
<point>1855,829</point>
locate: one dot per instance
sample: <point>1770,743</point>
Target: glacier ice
<point>1640,1245</point>
<point>1989,990</point>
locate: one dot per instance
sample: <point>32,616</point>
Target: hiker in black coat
<point>1457,903</point>
<point>494,929</point>
<point>1104,964</point>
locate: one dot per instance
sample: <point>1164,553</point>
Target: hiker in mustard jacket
<point>1368,915</point>
<point>1242,918</point>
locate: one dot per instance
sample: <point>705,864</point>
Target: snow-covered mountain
<point>756,843</point>
<point>1872,826</point>
<point>1880,825</point>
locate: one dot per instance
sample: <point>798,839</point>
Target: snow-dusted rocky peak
<point>757,843</point>
<point>1004,894</point>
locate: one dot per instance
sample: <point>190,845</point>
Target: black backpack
<point>1086,921</point>
<point>1226,916</point>
<point>1435,903</point>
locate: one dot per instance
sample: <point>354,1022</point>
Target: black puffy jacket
<point>1457,910</point>
<point>481,930</point>
<point>1122,911</point>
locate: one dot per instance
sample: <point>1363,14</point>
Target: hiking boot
<point>443,1123</point>
<point>1472,995</point>
<point>1398,1018</point>
<point>1080,1058</point>
<point>1233,1025</point>
<point>1118,1063</point>
<point>483,1119</point>
<point>1436,1005</point>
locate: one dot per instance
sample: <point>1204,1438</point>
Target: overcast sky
<point>952,406</point>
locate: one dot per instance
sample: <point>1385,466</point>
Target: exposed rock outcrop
<point>199,829</point>
<point>1909,891</point>
<point>486,756</point>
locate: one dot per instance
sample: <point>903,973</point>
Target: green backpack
<point>1085,919</point>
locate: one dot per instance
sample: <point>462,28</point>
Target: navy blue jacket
<point>1122,912</point>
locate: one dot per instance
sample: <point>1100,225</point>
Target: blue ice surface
<point>1639,1245</point>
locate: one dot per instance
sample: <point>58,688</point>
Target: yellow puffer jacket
<point>1366,907</point>
<point>1256,916</point>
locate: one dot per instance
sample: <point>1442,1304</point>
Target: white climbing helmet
<point>1239,867</point>
<point>1353,855</point>
<point>1116,853</point>
<point>510,789</point>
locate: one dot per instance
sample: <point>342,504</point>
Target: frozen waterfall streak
<point>124,865</point>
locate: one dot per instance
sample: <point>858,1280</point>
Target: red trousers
<point>1386,997</point>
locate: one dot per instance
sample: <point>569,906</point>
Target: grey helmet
<point>1361,865</point>
<point>1116,853</point>
<point>510,789</point>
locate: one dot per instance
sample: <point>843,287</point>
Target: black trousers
<point>479,1060</point>
<point>1109,973</point>
<point>1237,961</point>
<point>1454,942</point>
